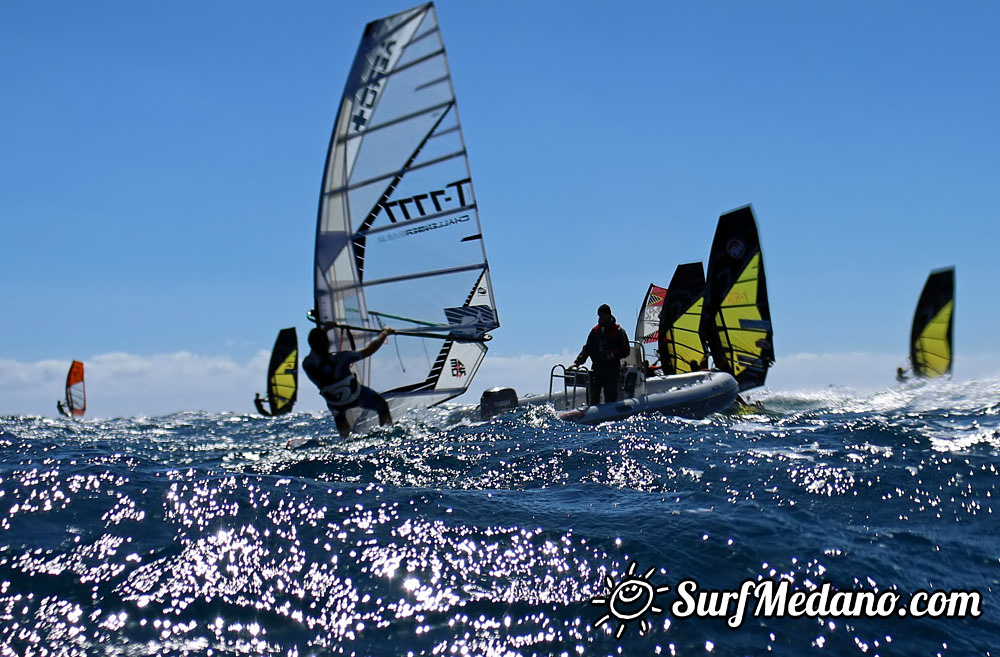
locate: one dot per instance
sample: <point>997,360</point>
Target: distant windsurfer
<point>62,408</point>
<point>607,343</point>
<point>901,375</point>
<point>337,383</point>
<point>259,402</point>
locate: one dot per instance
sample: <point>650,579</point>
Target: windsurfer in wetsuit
<point>337,383</point>
<point>606,345</point>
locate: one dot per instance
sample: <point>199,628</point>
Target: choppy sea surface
<point>202,534</point>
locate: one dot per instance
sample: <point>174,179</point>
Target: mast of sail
<point>681,346</point>
<point>398,239</point>
<point>931,333</point>
<point>736,319</point>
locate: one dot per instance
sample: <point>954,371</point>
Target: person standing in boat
<point>337,384</point>
<point>606,345</point>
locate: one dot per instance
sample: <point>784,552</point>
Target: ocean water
<point>202,534</point>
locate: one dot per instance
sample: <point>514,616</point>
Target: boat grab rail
<point>579,373</point>
<point>578,376</point>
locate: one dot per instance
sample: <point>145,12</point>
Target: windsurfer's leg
<point>384,416</point>
<point>373,401</point>
<point>340,417</point>
<point>343,426</point>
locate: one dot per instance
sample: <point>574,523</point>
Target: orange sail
<point>76,393</point>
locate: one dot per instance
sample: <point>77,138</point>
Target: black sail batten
<point>392,174</point>
<point>931,334</point>
<point>736,318</point>
<point>368,129</point>
<point>680,338</point>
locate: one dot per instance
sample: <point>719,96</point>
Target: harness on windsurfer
<point>337,384</point>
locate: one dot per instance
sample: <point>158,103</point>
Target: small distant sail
<point>736,319</point>
<point>282,375</point>
<point>76,392</point>
<point>931,335</point>
<point>398,238</point>
<point>648,325</point>
<point>681,346</point>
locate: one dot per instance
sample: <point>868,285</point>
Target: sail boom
<point>403,319</point>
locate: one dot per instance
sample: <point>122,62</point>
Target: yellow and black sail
<point>931,335</point>
<point>681,347</point>
<point>736,318</point>
<point>282,375</point>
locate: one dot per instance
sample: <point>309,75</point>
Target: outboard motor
<point>495,401</point>
<point>630,380</point>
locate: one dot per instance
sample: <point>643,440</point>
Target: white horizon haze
<point>128,385</point>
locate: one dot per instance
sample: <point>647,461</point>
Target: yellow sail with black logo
<point>681,346</point>
<point>282,375</point>
<point>931,334</point>
<point>736,319</point>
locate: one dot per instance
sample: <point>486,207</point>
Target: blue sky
<point>160,166</point>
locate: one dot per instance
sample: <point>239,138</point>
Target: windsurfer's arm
<point>379,340</point>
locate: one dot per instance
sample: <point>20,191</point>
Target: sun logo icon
<point>629,599</point>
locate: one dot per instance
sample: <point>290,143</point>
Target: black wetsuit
<point>327,369</point>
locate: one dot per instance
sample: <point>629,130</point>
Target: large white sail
<point>398,239</point>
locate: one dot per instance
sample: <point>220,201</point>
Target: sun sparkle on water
<point>202,532</point>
